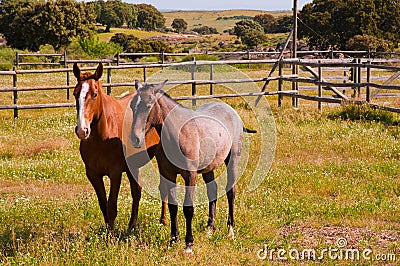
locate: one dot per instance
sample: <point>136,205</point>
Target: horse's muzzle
<point>136,142</point>
<point>82,133</point>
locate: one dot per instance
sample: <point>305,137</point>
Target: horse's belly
<point>212,154</point>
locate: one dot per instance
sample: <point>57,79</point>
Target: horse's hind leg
<point>136,192</point>
<point>232,168</point>
<point>188,208</point>
<point>209,179</point>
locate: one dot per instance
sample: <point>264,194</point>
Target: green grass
<point>327,172</point>
<point>335,174</point>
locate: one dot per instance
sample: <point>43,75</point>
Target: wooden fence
<point>361,69</point>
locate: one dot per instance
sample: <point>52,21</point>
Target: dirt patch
<point>42,189</point>
<point>307,236</point>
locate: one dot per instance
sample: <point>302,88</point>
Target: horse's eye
<point>94,96</point>
<point>148,106</point>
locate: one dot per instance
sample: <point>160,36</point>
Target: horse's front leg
<point>112,200</point>
<point>188,208</point>
<point>136,192</point>
<point>98,185</point>
<point>209,179</point>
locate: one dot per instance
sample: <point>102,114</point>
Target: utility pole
<point>295,68</point>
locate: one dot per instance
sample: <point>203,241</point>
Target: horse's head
<point>145,110</point>
<point>87,98</point>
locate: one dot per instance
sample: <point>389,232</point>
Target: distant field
<point>209,18</point>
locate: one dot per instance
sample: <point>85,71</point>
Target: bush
<point>367,43</point>
<point>97,49</point>
<point>206,30</point>
<point>355,112</point>
<point>7,57</point>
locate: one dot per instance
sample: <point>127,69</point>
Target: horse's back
<point>223,114</point>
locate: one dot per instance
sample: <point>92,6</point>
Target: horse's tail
<point>249,130</point>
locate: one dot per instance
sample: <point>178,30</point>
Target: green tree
<point>268,22</point>
<point>205,30</point>
<point>149,18</point>
<point>53,22</point>
<point>367,43</point>
<point>179,25</point>
<point>10,9</point>
<point>334,22</point>
<point>285,24</point>
<point>115,13</point>
<point>250,32</point>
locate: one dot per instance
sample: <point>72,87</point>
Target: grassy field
<point>331,178</point>
<point>209,18</point>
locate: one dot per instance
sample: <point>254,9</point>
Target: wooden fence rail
<point>359,66</point>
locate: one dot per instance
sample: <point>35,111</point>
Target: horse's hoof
<point>163,221</point>
<point>210,231</point>
<point>189,249</point>
<point>231,233</point>
<point>173,240</point>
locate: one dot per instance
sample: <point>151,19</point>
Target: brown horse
<point>192,142</point>
<point>99,126</point>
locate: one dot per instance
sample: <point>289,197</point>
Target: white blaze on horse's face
<point>83,127</point>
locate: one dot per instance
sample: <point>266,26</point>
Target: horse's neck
<point>167,104</point>
<point>106,126</point>
<point>172,114</point>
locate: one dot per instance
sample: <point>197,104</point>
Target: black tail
<point>249,130</point>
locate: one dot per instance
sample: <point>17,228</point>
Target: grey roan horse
<point>192,142</point>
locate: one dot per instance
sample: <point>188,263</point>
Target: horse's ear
<point>99,72</point>
<point>77,72</point>
<point>158,88</point>
<point>138,85</point>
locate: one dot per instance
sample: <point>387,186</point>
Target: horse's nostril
<point>136,141</point>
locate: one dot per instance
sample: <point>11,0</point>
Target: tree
<point>250,32</point>
<point>335,22</point>
<point>285,24</point>
<point>9,9</point>
<point>33,24</point>
<point>115,13</point>
<point>149,18</point>
<point>206,30</point>
<point>132,44</point>
<point>179,25</point>
<point>268,22</point>
<point>367,43</point>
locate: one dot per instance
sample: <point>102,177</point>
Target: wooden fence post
<point>211,78</point>
<point>193,82</point>
<point>280,82</point>
<point>359,73</point>
<point>15,92</point>
<point>68,75</point>
<point>16,59</point>
<point>144,74</point>
<point>319,85</point>
<point>368,82</point>
<point>109,80</point>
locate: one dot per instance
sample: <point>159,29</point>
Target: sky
<point>268,5</point>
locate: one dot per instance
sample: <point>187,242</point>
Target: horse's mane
<point>163,93</point>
